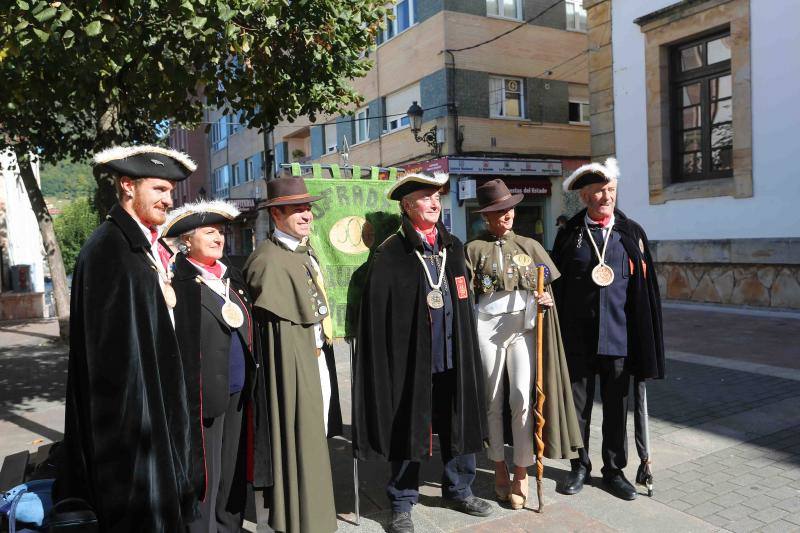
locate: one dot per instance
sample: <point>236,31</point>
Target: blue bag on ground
<point>27,503</point>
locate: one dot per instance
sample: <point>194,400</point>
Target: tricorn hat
<point>288,191</point>
<point>146,161</point>
<point>592,173</point>
<point>495,196</point>
<point>414,182</point>
<point>194,215</point>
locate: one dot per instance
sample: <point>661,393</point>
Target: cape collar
<point>129,227</point>
<point>412,239</point>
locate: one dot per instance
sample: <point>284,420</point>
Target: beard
<point>148,213</point>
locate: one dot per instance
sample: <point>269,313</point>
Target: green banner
<point>352,218</point>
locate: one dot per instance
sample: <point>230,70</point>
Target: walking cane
<point>351,342</point>
<point>644,475</point>
<point>538,411</point>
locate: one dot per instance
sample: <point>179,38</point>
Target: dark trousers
<point>614,384</point>
<point>458,472</point>
<point>221,437</point>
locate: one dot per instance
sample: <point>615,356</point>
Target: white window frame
<point>249,169</point>
<point>522,102</point>
<point>234,174</point>
<point>219,174</point>
<point>579,14</point>
<point>392,24</point>
<point>498,14</point>
<point>219,134</point>
<point>584,118</point>
<point>399,120</point>
<point>362,120</point>
<point>331,145</point>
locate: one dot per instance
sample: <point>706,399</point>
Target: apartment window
<point>396,105</point>
<point>235,176</point>
<point>249,170</point>
<point>362,125</point>
<point>261,167</point>
<point>403,12</point>
<point>221,182</point>
<point>235,123</point>
<point>219,134</point>
<point>702,109</point>
<point>579,112</point>
<point>506,98</point>
<point>330,138</point>
<point>576,15</point>
<point>511,9</point>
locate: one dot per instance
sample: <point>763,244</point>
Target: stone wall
<point>754,272</point>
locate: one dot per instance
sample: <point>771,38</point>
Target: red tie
<point>163,254</point>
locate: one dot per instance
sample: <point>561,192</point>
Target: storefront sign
<point>428,167</point>
<point>508,167</point>
<point>528,187</point>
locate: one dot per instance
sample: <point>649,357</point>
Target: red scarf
<point>602,221</point>
<point>214,268</point>
<point>429,237</point>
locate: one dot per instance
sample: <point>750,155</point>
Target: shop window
<point>506,97</point>
<point>701,105</point>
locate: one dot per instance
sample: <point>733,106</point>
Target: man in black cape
<point>417,368</point>
<point>609,302</point>
<point>128,439</point>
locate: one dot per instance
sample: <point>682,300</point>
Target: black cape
<point>254,452</point>
<point>392,362</point>
<point>127,438</point>
<point>645,334</point>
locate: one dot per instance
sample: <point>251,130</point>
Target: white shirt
<point>605,229</point>
<point>213,282</point>
<point>292,242</point>
<point>154,253</point>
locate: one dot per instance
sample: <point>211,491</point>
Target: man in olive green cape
<point>292,313</point>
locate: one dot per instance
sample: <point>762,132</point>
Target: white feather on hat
<point>219,207</point>
<point>412,182</point>
<point>609,170</point>
<point>123,152</point>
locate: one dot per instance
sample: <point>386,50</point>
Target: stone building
<point>695,100</point>
<point>503,90</point>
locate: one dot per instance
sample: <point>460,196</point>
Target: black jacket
<point>643,306</point>
<point>128,437</point>
<point>392,364</point>
<point>205,339</point>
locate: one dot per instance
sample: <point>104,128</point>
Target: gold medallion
<point>435,299</point>
<point>603,275</point>
<point>169,295</point>
<point>522,260</point>
<point>232,315</point>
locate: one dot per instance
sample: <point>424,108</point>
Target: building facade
<point>513,107</point>
<point>695,99</point>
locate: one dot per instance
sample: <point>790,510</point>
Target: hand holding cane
<point>538,411</point>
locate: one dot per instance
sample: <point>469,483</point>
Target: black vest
<point>595,317</point>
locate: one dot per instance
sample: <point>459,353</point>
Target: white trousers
<point>505,344</point>
<point>325,383</point>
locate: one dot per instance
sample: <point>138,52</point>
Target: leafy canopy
<point>78,76</point>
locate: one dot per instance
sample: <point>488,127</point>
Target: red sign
<point>461,287</point>
<point>428,167</point>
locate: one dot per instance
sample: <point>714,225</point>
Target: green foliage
<point>79,76</point>
<point>73,226</point>
<point>68,180</point>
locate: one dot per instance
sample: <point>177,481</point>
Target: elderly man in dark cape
<point>128,439</point>
<point>293,314</point>
<point>608,297</point>
<point>417,368</point>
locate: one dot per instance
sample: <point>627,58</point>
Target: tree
<point>73,226</point>
<point>81,76</point>
<point>67,180</point>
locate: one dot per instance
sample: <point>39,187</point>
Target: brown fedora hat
<point>495,196</point>
<point>288,191</point>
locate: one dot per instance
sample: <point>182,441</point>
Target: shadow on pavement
<point>31,374</point>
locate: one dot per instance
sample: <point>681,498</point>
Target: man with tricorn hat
<point>293,314</point>
<point>503,266</point>
<point>609,301</point>
<point>417,368</point>
<point>128,438</point>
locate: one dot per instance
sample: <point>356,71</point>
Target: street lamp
<point>429,137</point>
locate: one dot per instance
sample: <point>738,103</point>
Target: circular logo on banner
<point>352,235</point>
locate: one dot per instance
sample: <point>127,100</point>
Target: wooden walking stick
<point>538,411</point>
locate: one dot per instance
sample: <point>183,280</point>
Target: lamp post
<point>429,137</point>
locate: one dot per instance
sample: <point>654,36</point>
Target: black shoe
<point>471,505</point>
<point>578,476</point>
<point>619,486</point>
<point>401,523</point>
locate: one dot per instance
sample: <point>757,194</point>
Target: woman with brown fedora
<point>292,313</point>
<point>503,268</point>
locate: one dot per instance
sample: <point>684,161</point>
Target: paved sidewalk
<point>725,428</point>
